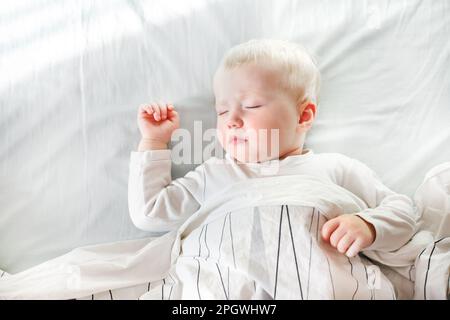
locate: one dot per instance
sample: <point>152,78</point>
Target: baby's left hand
<point>349,234</point>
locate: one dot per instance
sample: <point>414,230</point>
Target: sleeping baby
<point>262,87</point>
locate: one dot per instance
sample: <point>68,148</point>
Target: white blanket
<point>258,239</point>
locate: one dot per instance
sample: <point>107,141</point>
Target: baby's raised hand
<point>349,234</point>
<point>157,122</point>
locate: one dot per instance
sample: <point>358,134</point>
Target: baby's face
<point>251,103</point>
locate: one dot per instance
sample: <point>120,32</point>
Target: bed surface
<point>74,73</point>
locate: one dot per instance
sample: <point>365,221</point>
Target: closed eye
<point>222,112</point>
<point>253,107</point>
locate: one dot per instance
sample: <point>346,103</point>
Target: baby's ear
<point>307,115</point>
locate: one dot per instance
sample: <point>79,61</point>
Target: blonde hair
<point>291,59</point>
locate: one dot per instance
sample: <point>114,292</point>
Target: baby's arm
<point>386,225</point>
<point>157,203</point>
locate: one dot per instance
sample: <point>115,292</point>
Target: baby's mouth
<point>237,140</point>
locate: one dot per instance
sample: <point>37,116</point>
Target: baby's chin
<point>250,157</point>
<point>246,152</point>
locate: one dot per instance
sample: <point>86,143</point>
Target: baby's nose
<point>235,122</point>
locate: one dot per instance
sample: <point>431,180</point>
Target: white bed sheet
<point>265,250</point>
<point>74,72</point>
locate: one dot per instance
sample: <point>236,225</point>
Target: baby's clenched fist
<point>349,234</point>
<point>157,122</point>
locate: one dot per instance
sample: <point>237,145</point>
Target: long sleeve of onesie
<point>156,203</point>
<point>391,214</point>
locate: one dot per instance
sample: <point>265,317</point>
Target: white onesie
<point>157,203</point>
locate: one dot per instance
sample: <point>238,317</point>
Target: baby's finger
<point>354,249</point>
<point>345,242</point>
<point>163,109</point>
<point>171,113</point>
<point>148,109</point>
<point>328,228</point>
<point>170,106</point>
<point>174,117</point>
<point>142,108</point>
<point>156,112</point>
<point>336,236</point>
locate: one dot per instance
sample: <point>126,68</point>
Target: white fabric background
<point>73,74</point>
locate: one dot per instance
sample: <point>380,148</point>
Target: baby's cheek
<point>221,137</point>
<point>219,132</point>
